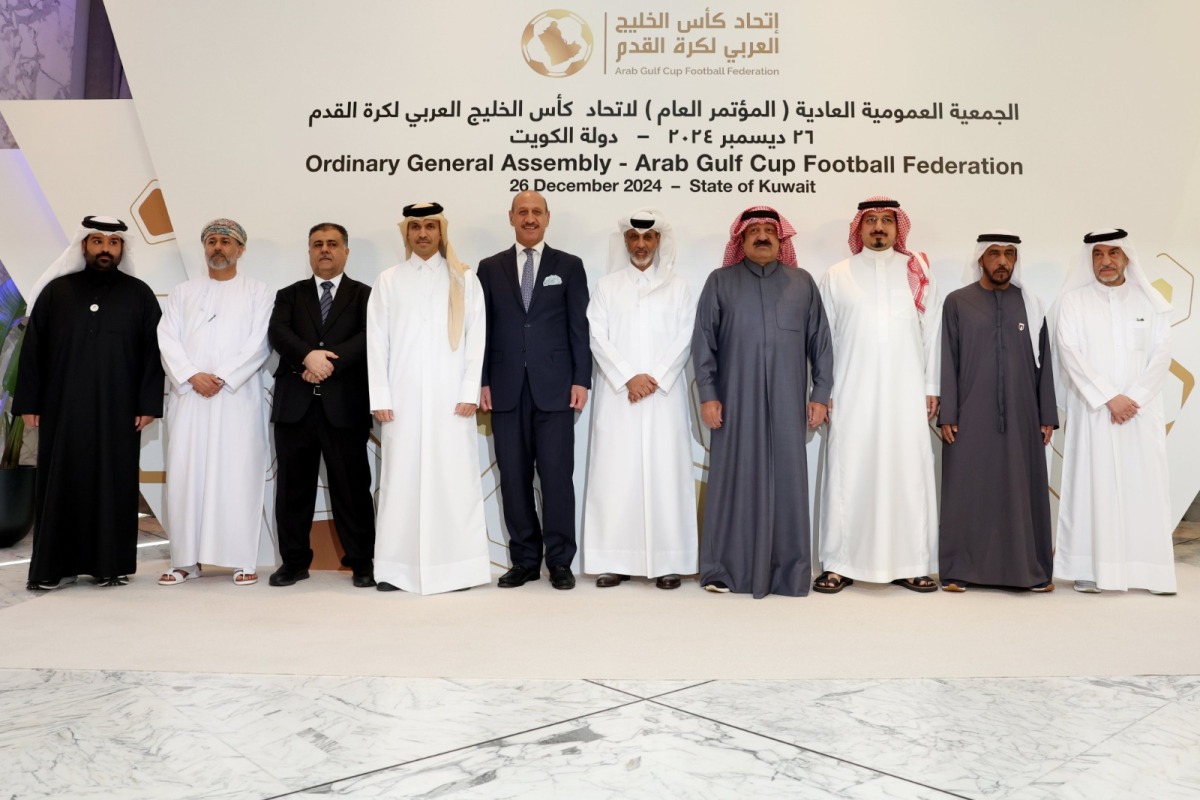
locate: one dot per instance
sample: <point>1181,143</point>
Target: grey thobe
<point>757,330</point>
<point>995,525</point>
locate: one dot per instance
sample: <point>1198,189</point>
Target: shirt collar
<point>537,248</point>
<point>336,281</point>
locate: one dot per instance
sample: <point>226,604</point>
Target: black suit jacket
<point>551,340</point>
<point>296,330</point>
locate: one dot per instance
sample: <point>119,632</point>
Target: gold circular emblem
<point>556,43</point>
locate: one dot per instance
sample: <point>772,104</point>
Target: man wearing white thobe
<point>425,338</point>
<point>1113,347</point>
<point>879,515</point>
<point>213,338</point>
<point>639,513</point>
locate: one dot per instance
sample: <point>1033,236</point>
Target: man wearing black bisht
<point>997,415</point>
<point>89,379</point>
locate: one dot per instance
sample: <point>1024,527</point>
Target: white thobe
<point>217,453</point>
<point>1114,518</point>
<point>879,504</point>
<point>430,532</point>
<point>639,512</point>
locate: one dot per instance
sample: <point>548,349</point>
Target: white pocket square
<point>552,280</point>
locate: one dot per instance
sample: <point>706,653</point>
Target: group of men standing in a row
<point>433,342</point>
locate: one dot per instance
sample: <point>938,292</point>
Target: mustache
<point>762,242</point>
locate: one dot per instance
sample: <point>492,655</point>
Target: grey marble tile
<point>1157,757</point>
<point>88,735</point>
<point>638,751</point>
<point>646,689</point>
<point>977,738</point>
<point>307,730</point>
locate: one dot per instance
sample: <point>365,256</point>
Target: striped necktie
<point>527,278</point>
<point>326,299</point>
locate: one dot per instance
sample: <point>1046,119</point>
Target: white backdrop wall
<point>1062,118</point>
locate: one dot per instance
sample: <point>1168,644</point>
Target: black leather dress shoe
<point>286,576</point>
<point>384,586</point>
<point>519,576</point>
<point>671,581</point>
<point>364,580</point>
<point>561,577</point>
<point>606,579</point>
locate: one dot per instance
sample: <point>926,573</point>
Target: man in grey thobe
<point>997,415</point>
<point>759,326</point>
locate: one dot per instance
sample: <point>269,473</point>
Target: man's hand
<point>640,387</point>
<point>1047,432</point>
<point>931,406</point>
<point>318,363</point>
<point>309,377</point>
<point>465,409</point>
<point>485,398</point>
<point>710,412</point>
<point>383,415</point>
<point>578,397</point>
<point>205,384</point>
<point>817,412</point>
<point>829,412</point>
<point>948,432</point>
<point>142,422</point>
<point>31,420</point>
<point>1122,409</point>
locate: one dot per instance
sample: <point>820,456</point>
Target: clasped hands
<point>318,365</point>
<point>640,387</point>
<point>1121,409</point>
<point>206,384</point>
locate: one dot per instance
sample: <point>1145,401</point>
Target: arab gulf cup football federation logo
<point>556,43</point>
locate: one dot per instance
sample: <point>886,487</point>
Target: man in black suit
<point>319,328</point>
<point>536,373</point>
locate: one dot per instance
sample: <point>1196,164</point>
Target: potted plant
<point>16,480</point>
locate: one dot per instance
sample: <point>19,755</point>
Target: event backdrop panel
<point>1040,120</point>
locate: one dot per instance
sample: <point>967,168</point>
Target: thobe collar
<point>435,261</point>
<point>758,270</point>
<point>642,277</point>
<point>878,255</point>
<point>100,275</point>
<point>1113,291</point>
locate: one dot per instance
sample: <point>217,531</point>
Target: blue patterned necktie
<point>527,278</point>
<point>326,299</point>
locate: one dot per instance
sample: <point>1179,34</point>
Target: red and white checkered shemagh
<point>734,254</point>
<point>917,279</point>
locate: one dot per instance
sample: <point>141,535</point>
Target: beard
<point>1000,282</point>
<point>641,263</point>
<point>103,261</point>
<point>219,262</point>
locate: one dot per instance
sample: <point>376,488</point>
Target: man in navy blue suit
<point>537,369</point>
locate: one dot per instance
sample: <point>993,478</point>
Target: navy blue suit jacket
<point>550,341</point>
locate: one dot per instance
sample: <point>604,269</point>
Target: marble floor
<point>97,734</point>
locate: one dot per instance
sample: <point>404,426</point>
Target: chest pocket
<point>789,314</point>
<point>1139,334</point>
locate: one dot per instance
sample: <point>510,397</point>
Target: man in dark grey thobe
<point>997,415</point>
<point>759,326</point>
